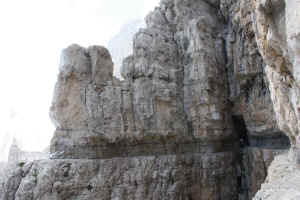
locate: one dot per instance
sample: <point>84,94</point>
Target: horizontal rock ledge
<point>99,148</point>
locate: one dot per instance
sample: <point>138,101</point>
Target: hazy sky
<point>32,35</point>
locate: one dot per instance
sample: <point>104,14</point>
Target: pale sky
<point>32,35</point>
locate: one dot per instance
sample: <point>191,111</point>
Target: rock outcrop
<point>193,117</point>
<point>282,182</point>
<point>277,34</point>
<point>135,131</point>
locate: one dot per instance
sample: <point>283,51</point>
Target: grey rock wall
<point>277,38</point>
<point>151,177</point>
<point>277,35</point>
<point>204,107</point>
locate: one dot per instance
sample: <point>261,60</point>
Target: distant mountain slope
<point>120,46</point>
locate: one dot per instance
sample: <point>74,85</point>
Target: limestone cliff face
<point>278,39</point>
<point>192,119</point>
<point>277,34</point>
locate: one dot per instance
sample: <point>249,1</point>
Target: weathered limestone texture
<point>254,169</point>
<point>282,182</point>
<point>248,86</point>
<point>209,98</point>
<point>164,177</point>
<point>277,34</point>
<point>277,31</point>
<point>172,100</point>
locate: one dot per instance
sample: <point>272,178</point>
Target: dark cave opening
<point>240,129</point>
<point>245,164</point>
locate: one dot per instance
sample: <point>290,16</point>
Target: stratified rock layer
<point>172,100</point>
<point>165,177</point>
<point>193,117</point>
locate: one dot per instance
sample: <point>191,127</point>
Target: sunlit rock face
<point>277,34</point>
<point>282,181</point>
<point>209,98</point>
<point>147,128</point>
<point>172,100</point>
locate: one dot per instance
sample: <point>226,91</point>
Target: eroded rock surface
<point>282,181</point>
<point>193,117</point>
<point>278,30</point>
<point>151,177</point>
<point>277,36</point>
<point>172,100</point>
